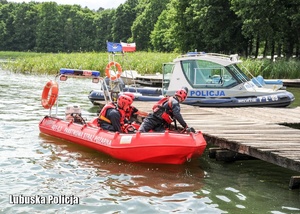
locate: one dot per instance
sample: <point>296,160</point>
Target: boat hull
<point>276,99</point>
<point>280,99</point>
<point>141,94</point>
<point>152,147</point>
<point>148,91</point>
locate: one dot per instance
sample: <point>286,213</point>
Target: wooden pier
<point>291,82</point>
<point>251,131</point>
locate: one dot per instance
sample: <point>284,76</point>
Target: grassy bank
<point>143,62</point>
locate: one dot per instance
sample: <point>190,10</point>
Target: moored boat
<point>169,147</point>
<point>152,147</point>
<point>141,93</point>
<point>216,80</point>
<point>129,76</point>
<point>274,84</point>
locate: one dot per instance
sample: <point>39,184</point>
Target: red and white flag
<point>128,47</point>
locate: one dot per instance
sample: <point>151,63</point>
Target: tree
<point>49,29</point>
<point>7,17</point>
<point>25,24</point>
<point>163,36</point>
<point>85,29</point>
<point>103,23</point>
<point>68,33</point>
<point>270,22</point>
<point>233,26</point>
<point>124,17</point>
<point>291,27</point>
<point>216,27</point>
<point>144,23</point>
<point>184,29</point>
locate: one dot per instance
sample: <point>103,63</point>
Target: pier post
<point>294,182</point>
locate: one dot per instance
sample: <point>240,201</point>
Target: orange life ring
<point>107,70</point>
<point>49,100</point>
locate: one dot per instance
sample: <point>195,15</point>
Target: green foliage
<point>144,23</point>
<point>48,37</point>
<point>267,28</point>
<point>103,29</point>
<point>123,19</point>
<point>217,26</point>
<point>269,22</point>
<point>162,38</point>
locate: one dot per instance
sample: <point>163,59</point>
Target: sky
<point>91,4</point>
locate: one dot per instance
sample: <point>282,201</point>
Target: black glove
<point>190,129</point>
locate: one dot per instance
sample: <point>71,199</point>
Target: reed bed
<point>143,62</point>
<point>279,69</point>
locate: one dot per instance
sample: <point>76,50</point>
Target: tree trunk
<point>265,49</point>
<point>289,50</point>
<point>257,46</point>
<point>272,50</point>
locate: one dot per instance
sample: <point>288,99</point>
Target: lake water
<point>55,176</point>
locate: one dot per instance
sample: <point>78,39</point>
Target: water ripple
<point>34,164</point>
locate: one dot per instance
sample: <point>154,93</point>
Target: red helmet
<point>124,102</point>
<point>181,93</point>
<point>131,95</point>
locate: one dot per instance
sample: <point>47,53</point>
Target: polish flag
<point>128,47</point>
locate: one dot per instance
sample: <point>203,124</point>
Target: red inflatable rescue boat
<point>151,147</point>
<point>169,147</point>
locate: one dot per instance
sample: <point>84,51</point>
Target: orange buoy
<point>49,95</point>
<point>119,70</point>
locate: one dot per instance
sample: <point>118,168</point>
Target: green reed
<point>143,62</point>
<point>279,69</point>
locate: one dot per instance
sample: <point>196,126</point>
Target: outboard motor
<point>73,113</point>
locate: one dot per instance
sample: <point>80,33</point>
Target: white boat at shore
<point>213,80</point>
